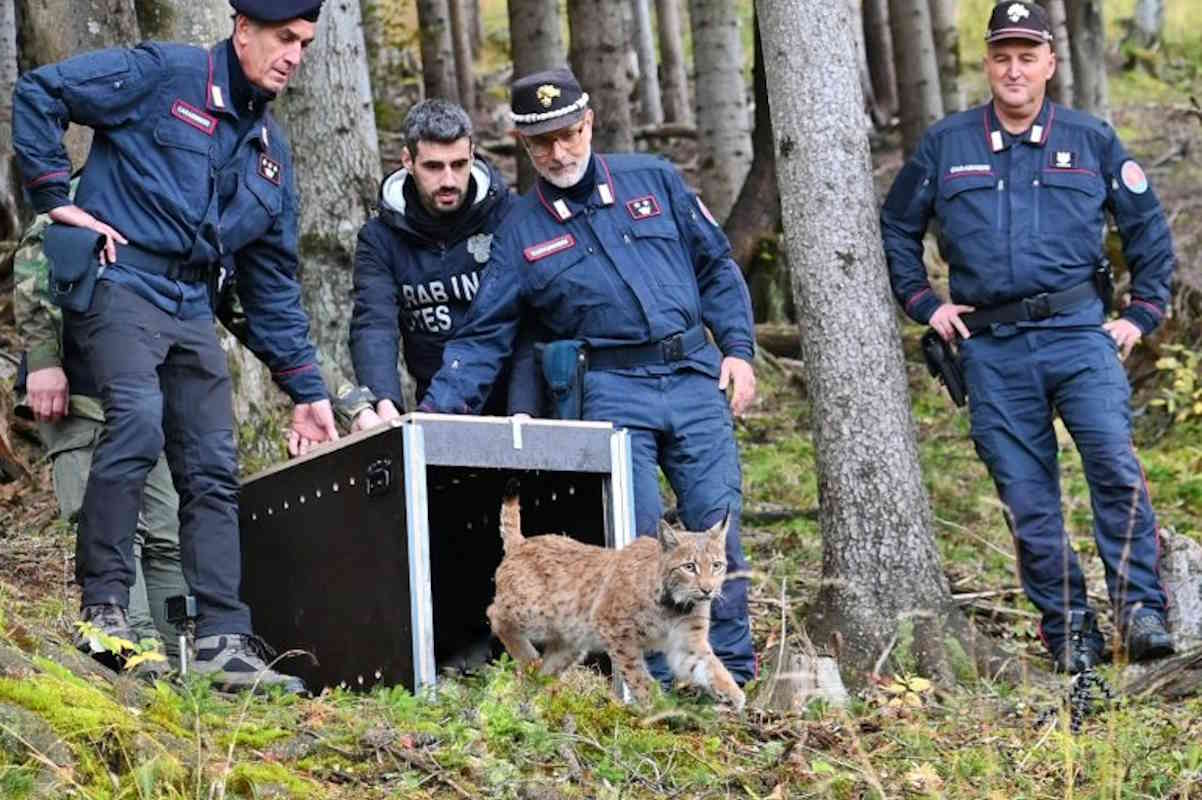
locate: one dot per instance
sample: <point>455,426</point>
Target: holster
<point>1103,281</point>
<point>563,364</point>
<point>944,364</point>
<point>73,254</point>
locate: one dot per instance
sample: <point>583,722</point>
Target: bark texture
<point>1061,86</point>
<point>535,43</point>
<point>947,52</point>
<point>674,83</point>
<point>438,55</point>
<point>882,573</point>
<point>199,22</point>
<point>723,124</point>
<point>1087,37</point>
<point>650,109</point>
<point>461,39</point>
<point>10,183</point>
<point>917,70</point>
<point>879,46</point>
<point>879,118</point>
<point>598,55</point>
<point>328,114</point>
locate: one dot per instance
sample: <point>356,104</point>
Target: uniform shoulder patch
<point>1133,177</point>
<point>269,168</point>
<point>643,207</point>
<point>192,115</point>
<point>549,248</point>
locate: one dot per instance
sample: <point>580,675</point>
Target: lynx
<point>575,598</point>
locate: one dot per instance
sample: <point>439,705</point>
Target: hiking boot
<point>107,621</point>
<point>1147,638</point>
<point>236,662</point>
<point>1083,649</point>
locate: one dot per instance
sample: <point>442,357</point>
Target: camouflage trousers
<point>157,572</point>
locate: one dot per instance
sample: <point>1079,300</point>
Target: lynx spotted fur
<point>575,598</point>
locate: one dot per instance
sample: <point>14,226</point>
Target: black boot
<point>1147,638</point>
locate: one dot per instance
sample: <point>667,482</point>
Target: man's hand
<point>739,372</point>
<point>367,418</point>
<point>77,217</point>
<point>1125,334</point>
<point>946,321</point>
<point>312,424</point>
<point>386,410</point>
<point>48,393</point>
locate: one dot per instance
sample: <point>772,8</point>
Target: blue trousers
<point>1015,384</point>
<point>165,385</point>
<point>682,423</point>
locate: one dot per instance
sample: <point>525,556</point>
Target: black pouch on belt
<point>73,254</point>
<point>944,364</point>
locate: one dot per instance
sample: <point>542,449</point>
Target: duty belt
<point>665,351</point>
<point>129,255</point>
<point>1030,309</point>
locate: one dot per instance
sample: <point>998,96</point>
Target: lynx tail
<point>511,523</point>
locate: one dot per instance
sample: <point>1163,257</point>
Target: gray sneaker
<point>236,662</point>
<point>105,619</point>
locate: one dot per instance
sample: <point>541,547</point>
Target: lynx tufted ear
<point>718,531</point>
<point>669,537</point>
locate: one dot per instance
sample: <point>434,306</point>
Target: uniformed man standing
<point>1019,188</point>
<point>186,167</point>
<point>418,264</point>
<point>615,251</point>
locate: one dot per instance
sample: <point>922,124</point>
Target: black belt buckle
<point>673,348</point>
<point>1038,307</point>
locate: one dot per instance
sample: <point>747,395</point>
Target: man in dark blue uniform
<point>418,264</point>
<point>186,168</point>
<point>1019,188</point>
<point>616,252</point>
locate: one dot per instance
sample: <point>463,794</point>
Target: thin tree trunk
<point>947,52</point>
<point>327,111</point>
<point>598,55</point>
<point>882,573</point>
<point>1147,25</point>
<point>879,118</point>
<point>879,46</point>
<point>1061,87</point>
<point>674,81</point>
<point>475,26</point>
<point>461,37</point>
<point>535,44</point>
<point>438,56</point>
<point>10,185</point>
<point>651,110</point>
<point>917,70</point>
<point>723,124</point>
<point>1087,36</point>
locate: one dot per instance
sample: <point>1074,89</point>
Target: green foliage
<point>1180,394</point>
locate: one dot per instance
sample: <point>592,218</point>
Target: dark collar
<point>998,139</point>
<point>600,186</point>
<point>229,91</point>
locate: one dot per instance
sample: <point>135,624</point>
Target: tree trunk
<point>598,56</point>
<point>879,118</point>
<point>1148,22</point>
<point>651,110</point>
<point>917,70</point>
<point>723,127</point>
<point>475,26</point>
<point>1061,86</point>
<point>947,52</point>
<point>883,580</point>
<point>198,22</point>
<point>11,195</point>
<point>438,57</point>
<point>461,38</point>
<point>1087,36</point>
<point>328,114</point>
<point>535,44</point>
<point>674,81</point>
<point>879,46</point>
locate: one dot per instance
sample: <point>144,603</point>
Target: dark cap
<point>546,101</point>
<point>1015,20</point>
<point>278,10</point>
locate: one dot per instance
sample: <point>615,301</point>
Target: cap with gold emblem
<point>546,101</point>
<point>278,10</point>
<point>1015,20</point>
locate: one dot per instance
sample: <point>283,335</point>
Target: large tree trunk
<point>947,53</point>
<point>535,44</point>
<point>879,46</point>
<point>1087,35</point>
<point>461,38</point>
<point>1061,86</point>
<point>674,81</point>
<point>598,55</point>
<point>10,184</point>
<point>438,56</point>
<point>199,22</point>
<point>651,111</point>
<point>328,114</point>
<point>723,127</point>
<point>882,573</point>
<point>917,70</point>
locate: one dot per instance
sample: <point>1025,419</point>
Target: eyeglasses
<point>544,143</point>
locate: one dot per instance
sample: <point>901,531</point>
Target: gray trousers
<point>157,573</point>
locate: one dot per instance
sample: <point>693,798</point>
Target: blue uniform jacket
<point>413,287</point>
<point>640,261</point>
<point>1021,215</point>
<point>169,171</point>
